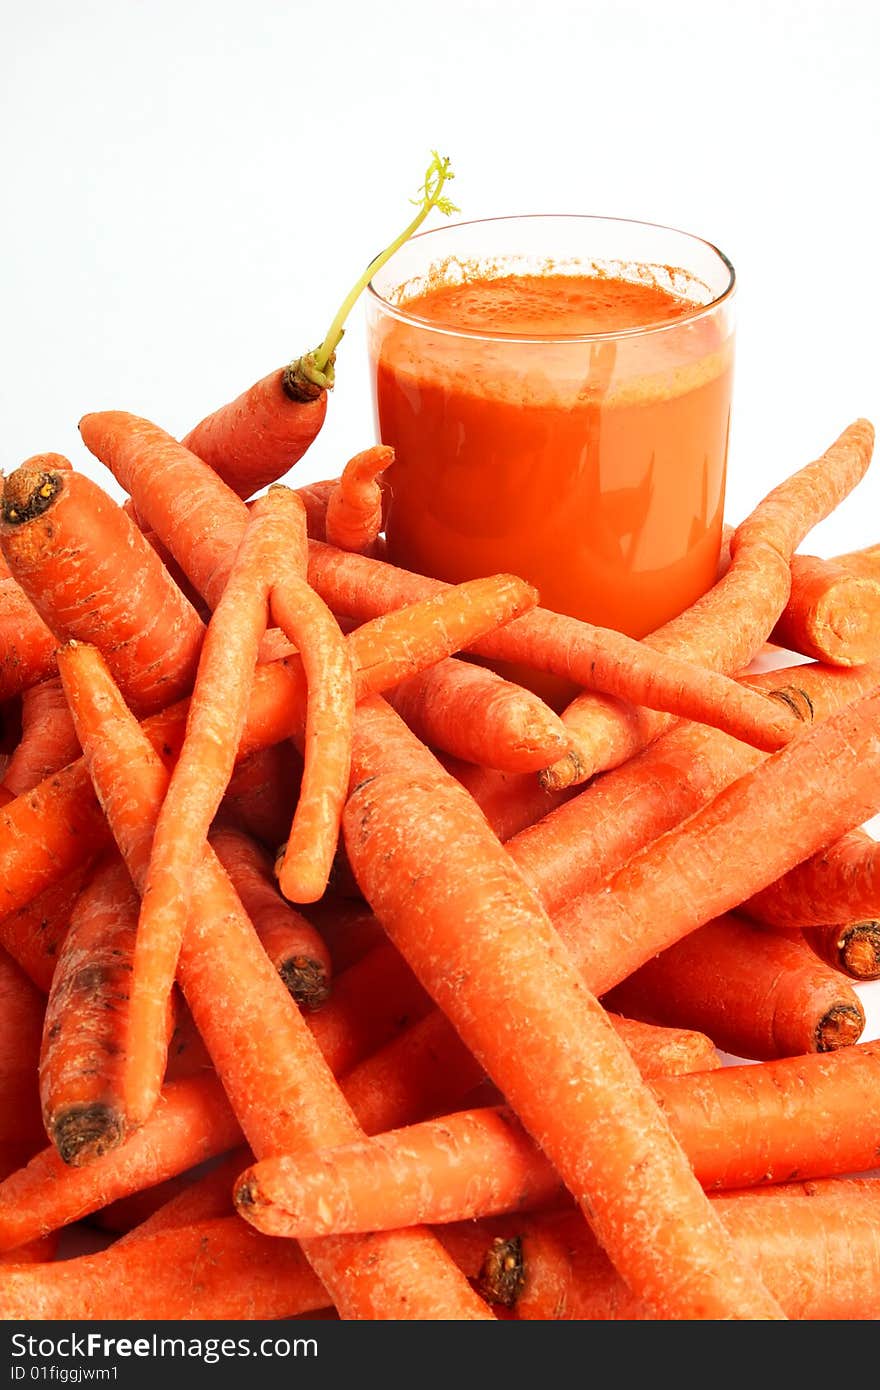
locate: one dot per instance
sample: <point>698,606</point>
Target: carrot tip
<point>86,1132</point>
<point>502,1273</point>
<point>306,981</point>
<point>860,951</point>
<point>27,495</point>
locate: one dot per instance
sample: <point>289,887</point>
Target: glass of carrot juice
<point>557,392</point>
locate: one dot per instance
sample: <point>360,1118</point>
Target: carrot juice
<point>568,423</point>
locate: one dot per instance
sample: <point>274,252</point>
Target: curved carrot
<point>90,574</point>
<point>255,439</point>
<point>727,627</point>
<point>753,831</point>
<point>304,864</point>
<point>475,936</point>
<point>754,992</point>
<point>293,945</point>
<point>354,508</point>
<point>48,741</point>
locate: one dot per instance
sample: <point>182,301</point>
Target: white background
<point>190,188</point>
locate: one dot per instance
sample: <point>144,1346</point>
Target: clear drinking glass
<point>590,463</point>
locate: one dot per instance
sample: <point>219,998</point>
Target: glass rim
<point>639,330</point>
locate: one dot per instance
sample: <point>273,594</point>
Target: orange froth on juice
<point>594,468</point>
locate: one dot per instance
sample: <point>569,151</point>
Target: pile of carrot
<point>348,972</point>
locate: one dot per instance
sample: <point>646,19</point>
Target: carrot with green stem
<point>754,830</point>
<point>55,827</point>
<point>754,992</point>
<point>294,946</point>
<point>280,1087</point>
<point>477,938</point>
<point>91,575</point>
<point>726,627</point>
<point>256,438</point>
<point>354,507</point>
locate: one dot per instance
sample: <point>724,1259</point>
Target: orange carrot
<point>727,627</point>
<point>304,864</point>
<point>510,801</point>
<point>476,716</point>
<point>754,830</point>
<point>49,832</point>
<point>757,994</point>
<point>373,1001</point>
<point>214,1269</point>
<point>453,903</point>
<point>278,1083</point>
<point>193,1123</point>
<point>853,947</point>
<point>48,741</point>
<point>21,1024</point>
<point>255,439</point>
<point>577,846</point>
<point>293,945</point>
<point>356,586</point>
<point>27,647</point>
<point>33,934</point>
<point>195,1199</point>
<point>817,1115</point>
<point>349,929</point>
<point>90,574</point>
<point>832,614</point>
<point>214,726</point>
<point>261,796</point>
<point>814,1245</point>
<point>354,507</point>
<point>838,884</point>
<point>85,1030</point>
<point>315,497</point>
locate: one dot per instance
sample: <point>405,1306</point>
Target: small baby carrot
<point>354,508</point>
